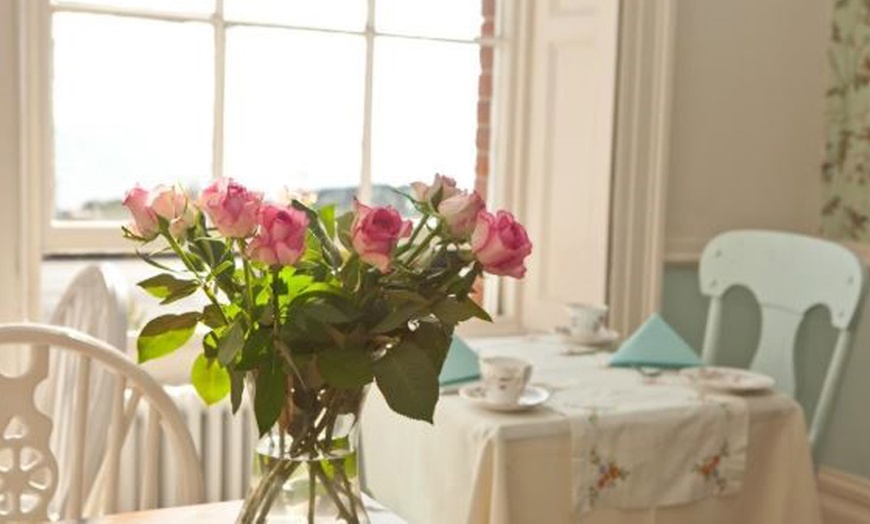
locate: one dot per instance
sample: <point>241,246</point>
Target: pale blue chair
<point>788,274</point>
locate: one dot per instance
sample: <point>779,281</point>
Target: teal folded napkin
<point>460,367</point>
<point>655,344</point>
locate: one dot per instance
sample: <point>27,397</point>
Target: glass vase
<point>306,467</point>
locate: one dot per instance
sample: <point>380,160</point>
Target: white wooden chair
<point>95,302</point>
<point>29,474</point>
<point>788,274</point>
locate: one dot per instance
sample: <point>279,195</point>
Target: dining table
<point>609,446</point>
<point>214,513</point>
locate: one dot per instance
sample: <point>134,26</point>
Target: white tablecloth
<point>477,466</point>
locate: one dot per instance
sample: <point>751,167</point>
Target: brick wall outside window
<point>484,113</point>
<point>484,101</point>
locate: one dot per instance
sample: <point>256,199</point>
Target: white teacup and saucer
<point>586,328</point>
<point>505,386</point>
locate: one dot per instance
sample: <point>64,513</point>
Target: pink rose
<point>171,203</point>
<point>375,233</point>
<point>280,238</point>
<point>460,212</point>
<point>501,244</point>
<point>232,208</point>
<point>137,200</point>
<point>445,184</point>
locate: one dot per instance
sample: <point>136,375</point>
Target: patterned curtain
<point>846,171</point>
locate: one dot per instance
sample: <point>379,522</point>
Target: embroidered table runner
<point>640,441</point>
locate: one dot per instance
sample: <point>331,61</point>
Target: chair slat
<point>77,475</point>
<point>148,499</point>
<point>118,432</point>
<point>93,504</point>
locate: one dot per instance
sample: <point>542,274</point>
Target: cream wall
<point>12,303</point>
<point>748,127</point>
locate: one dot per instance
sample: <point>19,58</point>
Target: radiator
<point>224,442</point>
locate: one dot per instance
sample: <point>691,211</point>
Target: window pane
<point>294,111</point>
<point>443,18</point>
<point>161,6</point>
<point>425,111</point>
<point>349,15</point>
<point>132,103</point>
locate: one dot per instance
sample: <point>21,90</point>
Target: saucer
<point>602,337</point>
<point>532,396</point>
<point>729,380</point>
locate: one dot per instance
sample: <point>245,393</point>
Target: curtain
<point>846,170</point>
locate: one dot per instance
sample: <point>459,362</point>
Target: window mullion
<point>365,187</point>
<point>220,45</point>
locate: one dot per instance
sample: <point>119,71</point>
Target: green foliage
<point>270,395</point>
<point>168,287</point>
<point>165,334</point>
<point>230,343</point>
<point>330,322</point>
<point>345,367</point>
<point>408,380</point>
<point>452,311</point>
<point>212,382</point>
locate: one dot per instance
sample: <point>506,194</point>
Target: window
<point>328,97</point>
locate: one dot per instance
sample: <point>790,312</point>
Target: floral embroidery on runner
<point>709,469</point>
<point>610,475</point>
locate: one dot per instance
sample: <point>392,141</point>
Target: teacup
<point>504,379</point>
<point>585,320</point>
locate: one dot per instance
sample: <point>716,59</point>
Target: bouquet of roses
<point>306,308</point>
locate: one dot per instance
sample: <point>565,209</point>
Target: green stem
<point>249,292</point>
<point>312,491</point>
<point>189,265</point>
<point>423,245</point>
<point>414,234</point>
<point>327,483</point>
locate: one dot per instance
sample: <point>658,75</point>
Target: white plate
<point>533,396</point>
<point>732,380</point>
<point>601,338</point>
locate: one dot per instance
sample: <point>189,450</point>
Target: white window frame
<point>49,236</point>
<point>70,236</point>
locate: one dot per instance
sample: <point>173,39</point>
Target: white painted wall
<point>572,88</point>
<point>12,283</point>
<point>748,118</point>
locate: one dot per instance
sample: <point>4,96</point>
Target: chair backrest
<point>29,474</point>
<point>788,274</point>
<point>95,302</point>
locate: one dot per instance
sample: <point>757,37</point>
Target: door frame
<point>641,160</point>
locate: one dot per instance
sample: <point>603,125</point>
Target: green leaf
<point>210,342</point>
<point>398,318</point>
<point>149,259</point>
<point>223,267</point>
<point>210,250</point>
<point>211,380</point>
<point>237,388</point>
<point>400,296</point>
<point>269,396</point>
<point>408,381</point>
<point>327,215</point>
<point>165,285</point>
<point>330,252</point>
<point>345,367</point>
<point>432,337</point>
<point>165,334</point>
<point>231,342</point>
<point>453,311</point>
<point>255,345</point>
<point>180,293</point>
<point>212,316</point>
<point>345,222</point>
